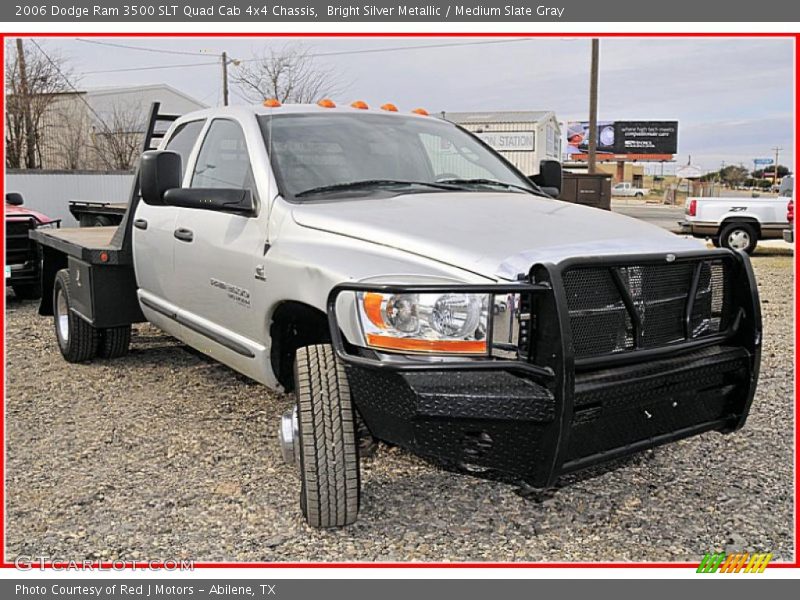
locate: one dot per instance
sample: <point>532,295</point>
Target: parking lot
<point>167,454</point>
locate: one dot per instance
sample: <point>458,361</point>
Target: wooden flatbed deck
<point>85,243</point>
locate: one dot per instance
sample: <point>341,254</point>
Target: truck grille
<point>19,248</point>
<point>615,309</point>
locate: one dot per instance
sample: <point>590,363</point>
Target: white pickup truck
<point>738,223</point>
<point>362,259</point>
<point>628,189</point>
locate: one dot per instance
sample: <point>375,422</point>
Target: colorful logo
<point>734,563</point>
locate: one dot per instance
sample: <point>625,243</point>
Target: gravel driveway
<point>165,454</point>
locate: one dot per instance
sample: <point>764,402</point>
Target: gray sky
<point>733,97</point>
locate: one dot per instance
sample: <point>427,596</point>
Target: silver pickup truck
<point>408,284</point>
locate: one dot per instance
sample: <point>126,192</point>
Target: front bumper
<point>551,411</point>
<point>508,423</point>
<point>27,273</point>
<point>698,229</point>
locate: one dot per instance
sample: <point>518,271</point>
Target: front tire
<point>329,469</point>
<point>77,339</point>
<point>739,236</point>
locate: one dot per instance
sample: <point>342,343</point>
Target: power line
<point>420,47</point>
<point>152,68</point>
<point>141,48</point>
<point>309,55</point>
<point>69,84</point>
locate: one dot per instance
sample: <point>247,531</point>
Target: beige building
<point>103,128</point>
<point>523,137</point>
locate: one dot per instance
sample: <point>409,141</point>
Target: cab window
<point>184,139</point>
<point>223,161</point>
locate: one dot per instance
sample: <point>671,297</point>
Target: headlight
<point>425,323</point>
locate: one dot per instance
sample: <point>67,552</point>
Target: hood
<point>19,212</point>
<point>491,234</point>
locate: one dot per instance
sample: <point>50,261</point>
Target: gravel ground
<point>165,454</point>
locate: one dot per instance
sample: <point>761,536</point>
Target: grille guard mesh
<point>614,309</point>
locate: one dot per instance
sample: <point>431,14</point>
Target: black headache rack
<point>614,355</point>
<point>100,259</point>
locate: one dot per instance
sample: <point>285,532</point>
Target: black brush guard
<point>555,409</point>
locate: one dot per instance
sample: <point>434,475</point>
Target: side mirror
<point>549,177</point>
<point>14,199</point>
<point>159,171</point>
<point>234,200</point>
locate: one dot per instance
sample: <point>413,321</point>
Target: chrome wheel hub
<point>62,316</point>
<point>289,436</point>
<point>739,240</point>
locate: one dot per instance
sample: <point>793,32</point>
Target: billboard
<point>624,139</point>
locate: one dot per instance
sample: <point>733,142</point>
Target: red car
<point>23,259</point>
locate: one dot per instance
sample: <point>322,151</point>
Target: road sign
<point>762,162</point>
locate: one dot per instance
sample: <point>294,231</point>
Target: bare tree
<point>66,142</point>
<point>117,138</point>
<point>33,81</point>
<point>290,74</point>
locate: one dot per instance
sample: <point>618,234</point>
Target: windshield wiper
<point>368,183</point>
<point>493,182</point>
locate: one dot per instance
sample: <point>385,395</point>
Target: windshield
<point>315,154</point>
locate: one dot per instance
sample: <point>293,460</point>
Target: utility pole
<point>225,79</point>
<point>775,170</point>
<point>30,137</point>
<point>593,106</point>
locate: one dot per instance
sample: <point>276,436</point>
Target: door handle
<point>184,235</point>
<point>140,224</point>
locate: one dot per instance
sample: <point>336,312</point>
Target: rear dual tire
<point>114,342</point>
<point>77,339</point>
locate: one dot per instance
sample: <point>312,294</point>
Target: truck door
<point>217,256</point>
<point>153,236</point>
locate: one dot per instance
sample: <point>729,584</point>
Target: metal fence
<point>49,192</point>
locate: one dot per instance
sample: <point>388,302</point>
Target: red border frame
<point>426,565</point>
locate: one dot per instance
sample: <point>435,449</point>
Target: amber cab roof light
<point>389,106</point>
<point>326,103</point>
<point>420,111</point>
<point>272,103</point>
<point>360,104</point>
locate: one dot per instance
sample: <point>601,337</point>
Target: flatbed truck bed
<point>99,259</point>
<point>85,243</point>
<point>101,268</point>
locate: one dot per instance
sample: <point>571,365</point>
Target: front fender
<point>304,265</point>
